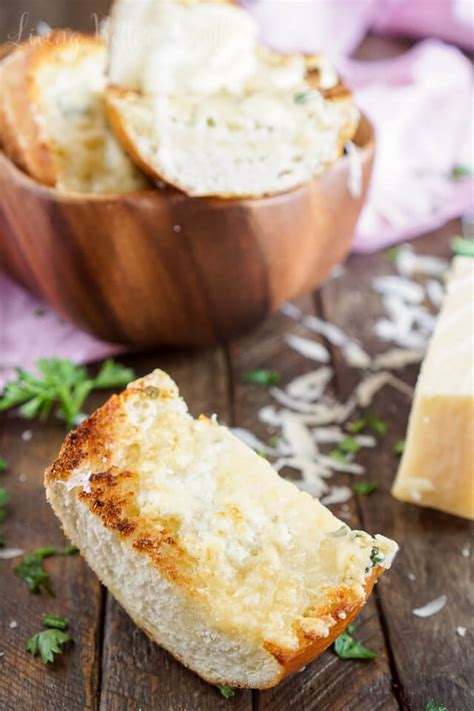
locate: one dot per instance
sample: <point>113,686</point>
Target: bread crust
<point>110,498</point>
<point>22,127</point>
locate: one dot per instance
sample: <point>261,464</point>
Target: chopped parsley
<point>210,121</point>
<point>273,441</point>
<point>262,377</point>
<point>32,572</point>
<point>376,558</point>
<point>431,706</point>
<point>346,647</point>
<point>392,253</point>
<point>399,447</point>
<point>61,384</point>
<point>371,422</point>
<point>462,247</point>
<point>70,550</point>
<point>3,465</point>
<point>261,453</point>
<point>460,171</point>
<point>31,568</point>
<point>227,691</point>
<point>348,445</point>
<point>365,487</point>
<point>4,498</point>
<point>59,623</point>
<point>47,643</point>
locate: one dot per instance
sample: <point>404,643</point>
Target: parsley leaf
<point>431,706</point>
<point>262,377</point>
<point>59,623</point>
<point>32,572</point>
<point>3,465</point>
<point>61,384</point>
<point>346,647</point>
<point>70,550</point>
<point>47,644</point>
<point>392,253</point>
<point>4,498</point>
<point>399,447</point>
<point>376,558</point>
<point>338,455</point>
<point>462,246</point>
<point>349,445</point>
<point>370,421</point>
<point>227,691</point>
<point>113,375</point>
<point>365,487</point>
<point>460,171</point>
<point>376,424</point>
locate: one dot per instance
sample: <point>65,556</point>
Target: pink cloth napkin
<point>421,104</point>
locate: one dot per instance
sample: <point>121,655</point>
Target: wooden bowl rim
<point>71,197</point>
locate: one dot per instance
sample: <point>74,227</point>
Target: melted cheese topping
<point>87,154</point>
<point>265,557</point>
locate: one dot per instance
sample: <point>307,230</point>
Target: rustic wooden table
<point>112,665</point>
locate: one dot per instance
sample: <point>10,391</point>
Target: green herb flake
<point>460,171</point>
<point>338,455</point>
<point>211,122</point>
<point>346,647</point>
<point>392,253</point>
<point>3,465</point>
<point>47,643</point>
<point>32,572</point>
<point>59,623</point>
<point>273,441</point>
<point>227,691</point>
<point>302,98</point>
<point>431,706</point>
<point>261,453</point>
<point>462,247</point>
<point>365,487</point>
<point>399,447</point>
<point>358,426</point>
<point>60,384</point>
<point>70,550</point>
<point>376,557</point>
<point>262,377</point>
<point>349,445</point>
<point>4,498</point>
<point>376,424</point>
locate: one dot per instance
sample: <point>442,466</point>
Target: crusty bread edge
<point>22,126</point>
<point>104,509</point>
<point>116,121</point>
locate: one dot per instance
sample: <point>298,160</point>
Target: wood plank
<point>72,681</point>
<point>430,660</point>
<point>135,672</point>
<point>328,682</point>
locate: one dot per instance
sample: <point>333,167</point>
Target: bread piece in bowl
<point>200,105</point>
<point>53,122</point>
<point>237,573</point>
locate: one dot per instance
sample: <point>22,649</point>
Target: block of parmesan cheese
<point>437,468</point>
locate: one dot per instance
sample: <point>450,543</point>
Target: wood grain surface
<point>113,666</point>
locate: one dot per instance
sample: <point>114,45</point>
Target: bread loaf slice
<point>53,122</point>
<point>198,104</point>
<point>237,573</point>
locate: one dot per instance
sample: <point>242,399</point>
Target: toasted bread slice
<point>198,104</point>
<point>237,573</point>
<point>52,116</point>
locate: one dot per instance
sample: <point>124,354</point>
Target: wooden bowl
<point>158,267</point>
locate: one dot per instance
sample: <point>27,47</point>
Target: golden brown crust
<point>111,496</point>
<point>23,134</point>
<point>343,611</point>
